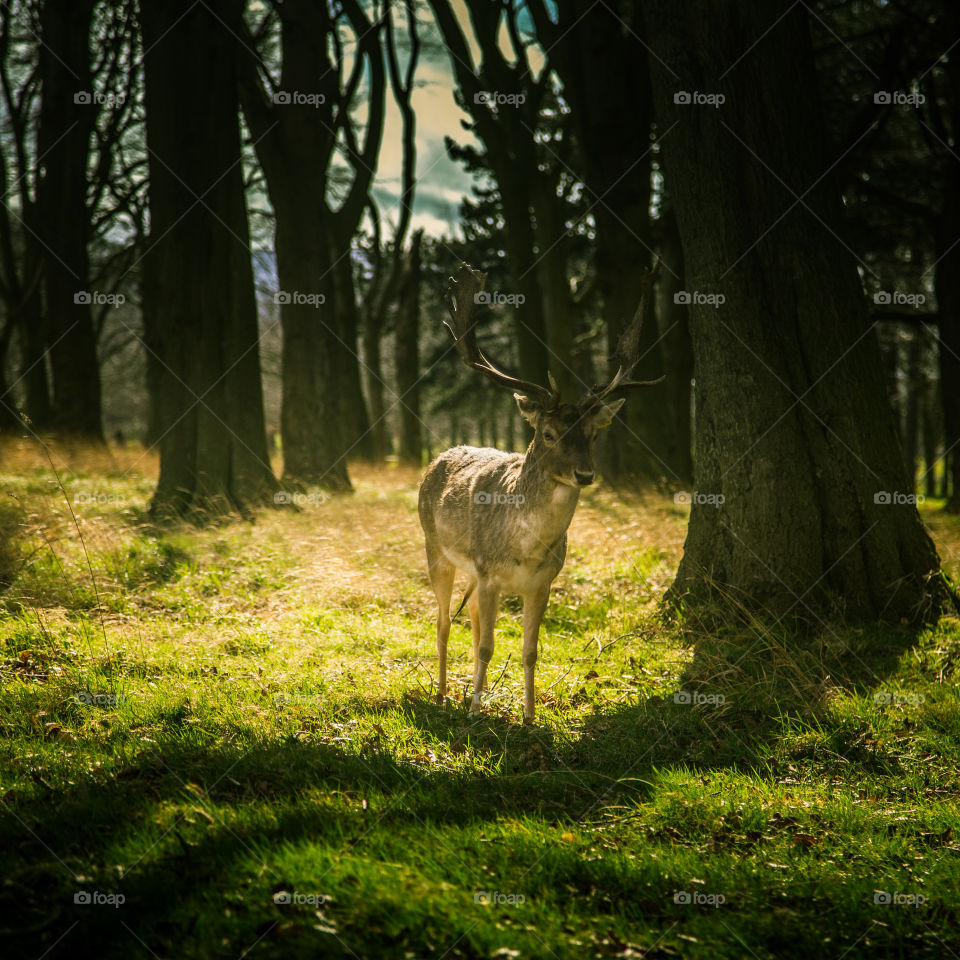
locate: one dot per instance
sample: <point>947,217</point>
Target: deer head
<point>562,445</point>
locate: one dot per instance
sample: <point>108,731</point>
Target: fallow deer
<point>502,518</point>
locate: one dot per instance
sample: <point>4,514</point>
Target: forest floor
<point>224,742</point>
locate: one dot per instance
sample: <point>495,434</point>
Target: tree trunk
<point>373,362</point>
<point>410,448</point>
<point>914,389</point>
<point>353,404</point>
<point>213,455</point>
<point>33,362</point>
<point>801,499</point>
<point>311,422</point>
<point>677,352</point>
<point>947,284</point>
<point>63,220</point>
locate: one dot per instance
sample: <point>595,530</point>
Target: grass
<point>225,739</point>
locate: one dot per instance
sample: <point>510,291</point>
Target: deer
<point>502,518</point>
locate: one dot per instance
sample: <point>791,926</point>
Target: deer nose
<point>583,479</point>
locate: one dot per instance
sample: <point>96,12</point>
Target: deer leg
<point>473,608</point>
<point>534,605</point>
<point>488,598</point>
<point>441,574</point>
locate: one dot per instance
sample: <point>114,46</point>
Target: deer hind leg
<point>488,599</point>
<point>473,609</point>
<point>441,573</point>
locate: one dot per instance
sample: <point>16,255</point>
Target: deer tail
<point>466,597</point>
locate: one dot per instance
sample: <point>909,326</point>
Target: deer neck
<point>552,502</point>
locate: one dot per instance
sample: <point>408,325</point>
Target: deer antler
<point>627,353</point>
<point>461,299</point>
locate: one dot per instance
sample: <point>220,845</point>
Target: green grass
<point>210,722</point>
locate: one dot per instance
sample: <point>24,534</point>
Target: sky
<point>441,182</point>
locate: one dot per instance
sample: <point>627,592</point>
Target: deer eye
<point>549,436</point>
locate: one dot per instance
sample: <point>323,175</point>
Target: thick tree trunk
<point>410,448</point>
<point>213,455</point>
<point>314,445</point>
<point>63,141</point>
<point>947,282</point>
<point>677,353</point>
<point>615,160</point>
<point>802,500</point>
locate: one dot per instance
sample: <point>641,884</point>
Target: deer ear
<point>602,416</point>
<point>530,410</point>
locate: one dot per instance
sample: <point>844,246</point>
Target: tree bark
<point>410,448</point>
<point>63,220</point>
<point>213,455</point>
<point>947,284</point>
<point>677,352</point>
<point>793,429</point>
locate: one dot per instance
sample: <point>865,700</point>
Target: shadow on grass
<point>725,714</point>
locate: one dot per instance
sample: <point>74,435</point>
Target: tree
<point>67,116</point>
<point>410,447</point>
<point>297,123</point>
<point>798,472</point>
<point>213,452</point>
